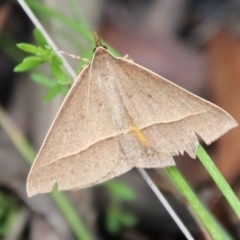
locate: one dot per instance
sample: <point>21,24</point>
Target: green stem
<point>18,139</point>
<point>70,214</point>
<point>200,210</point>
<point>219,180</point>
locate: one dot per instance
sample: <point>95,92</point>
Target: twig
<point>165,203</point>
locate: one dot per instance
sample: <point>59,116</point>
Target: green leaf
<point>30,48</point>
<point>43,80</point>
<point>120,190</point>
<point>128,220</point>
<point>28,63</point>
<point>112,222</point>
<point>80,27</point>
<point>58,73</point>
<point>56,60</point>
<point>53,92</point>
<point>39,38</point>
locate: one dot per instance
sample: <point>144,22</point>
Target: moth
<point>119,115</point>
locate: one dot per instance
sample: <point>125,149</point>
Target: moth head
<point>94,50</point>
<point>98,42</point>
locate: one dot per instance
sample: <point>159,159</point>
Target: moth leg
<point>128,58</point>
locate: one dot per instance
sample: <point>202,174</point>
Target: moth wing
<point>133,152</point>
<point>78,149</point>
<point>169,117</point>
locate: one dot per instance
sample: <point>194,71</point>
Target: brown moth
<point>119,115</point>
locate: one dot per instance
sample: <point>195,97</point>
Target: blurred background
<point>193,43</point>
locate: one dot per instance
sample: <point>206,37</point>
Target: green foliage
<point>220,181</point>
<point>43,54</point>
<point>39,38</point>
<point>48,13</point>
<point>28,63</point>
<point>117,218</point>
<point>29,48</point>
<point>59,75</point>
<point>8,213</point>
<point>120,190</point>
<point>54,88</point>
<point>43,80</point>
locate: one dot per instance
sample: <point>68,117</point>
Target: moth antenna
<point>97,40</point>
<point>89,85</point>
<point>70,55</point>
